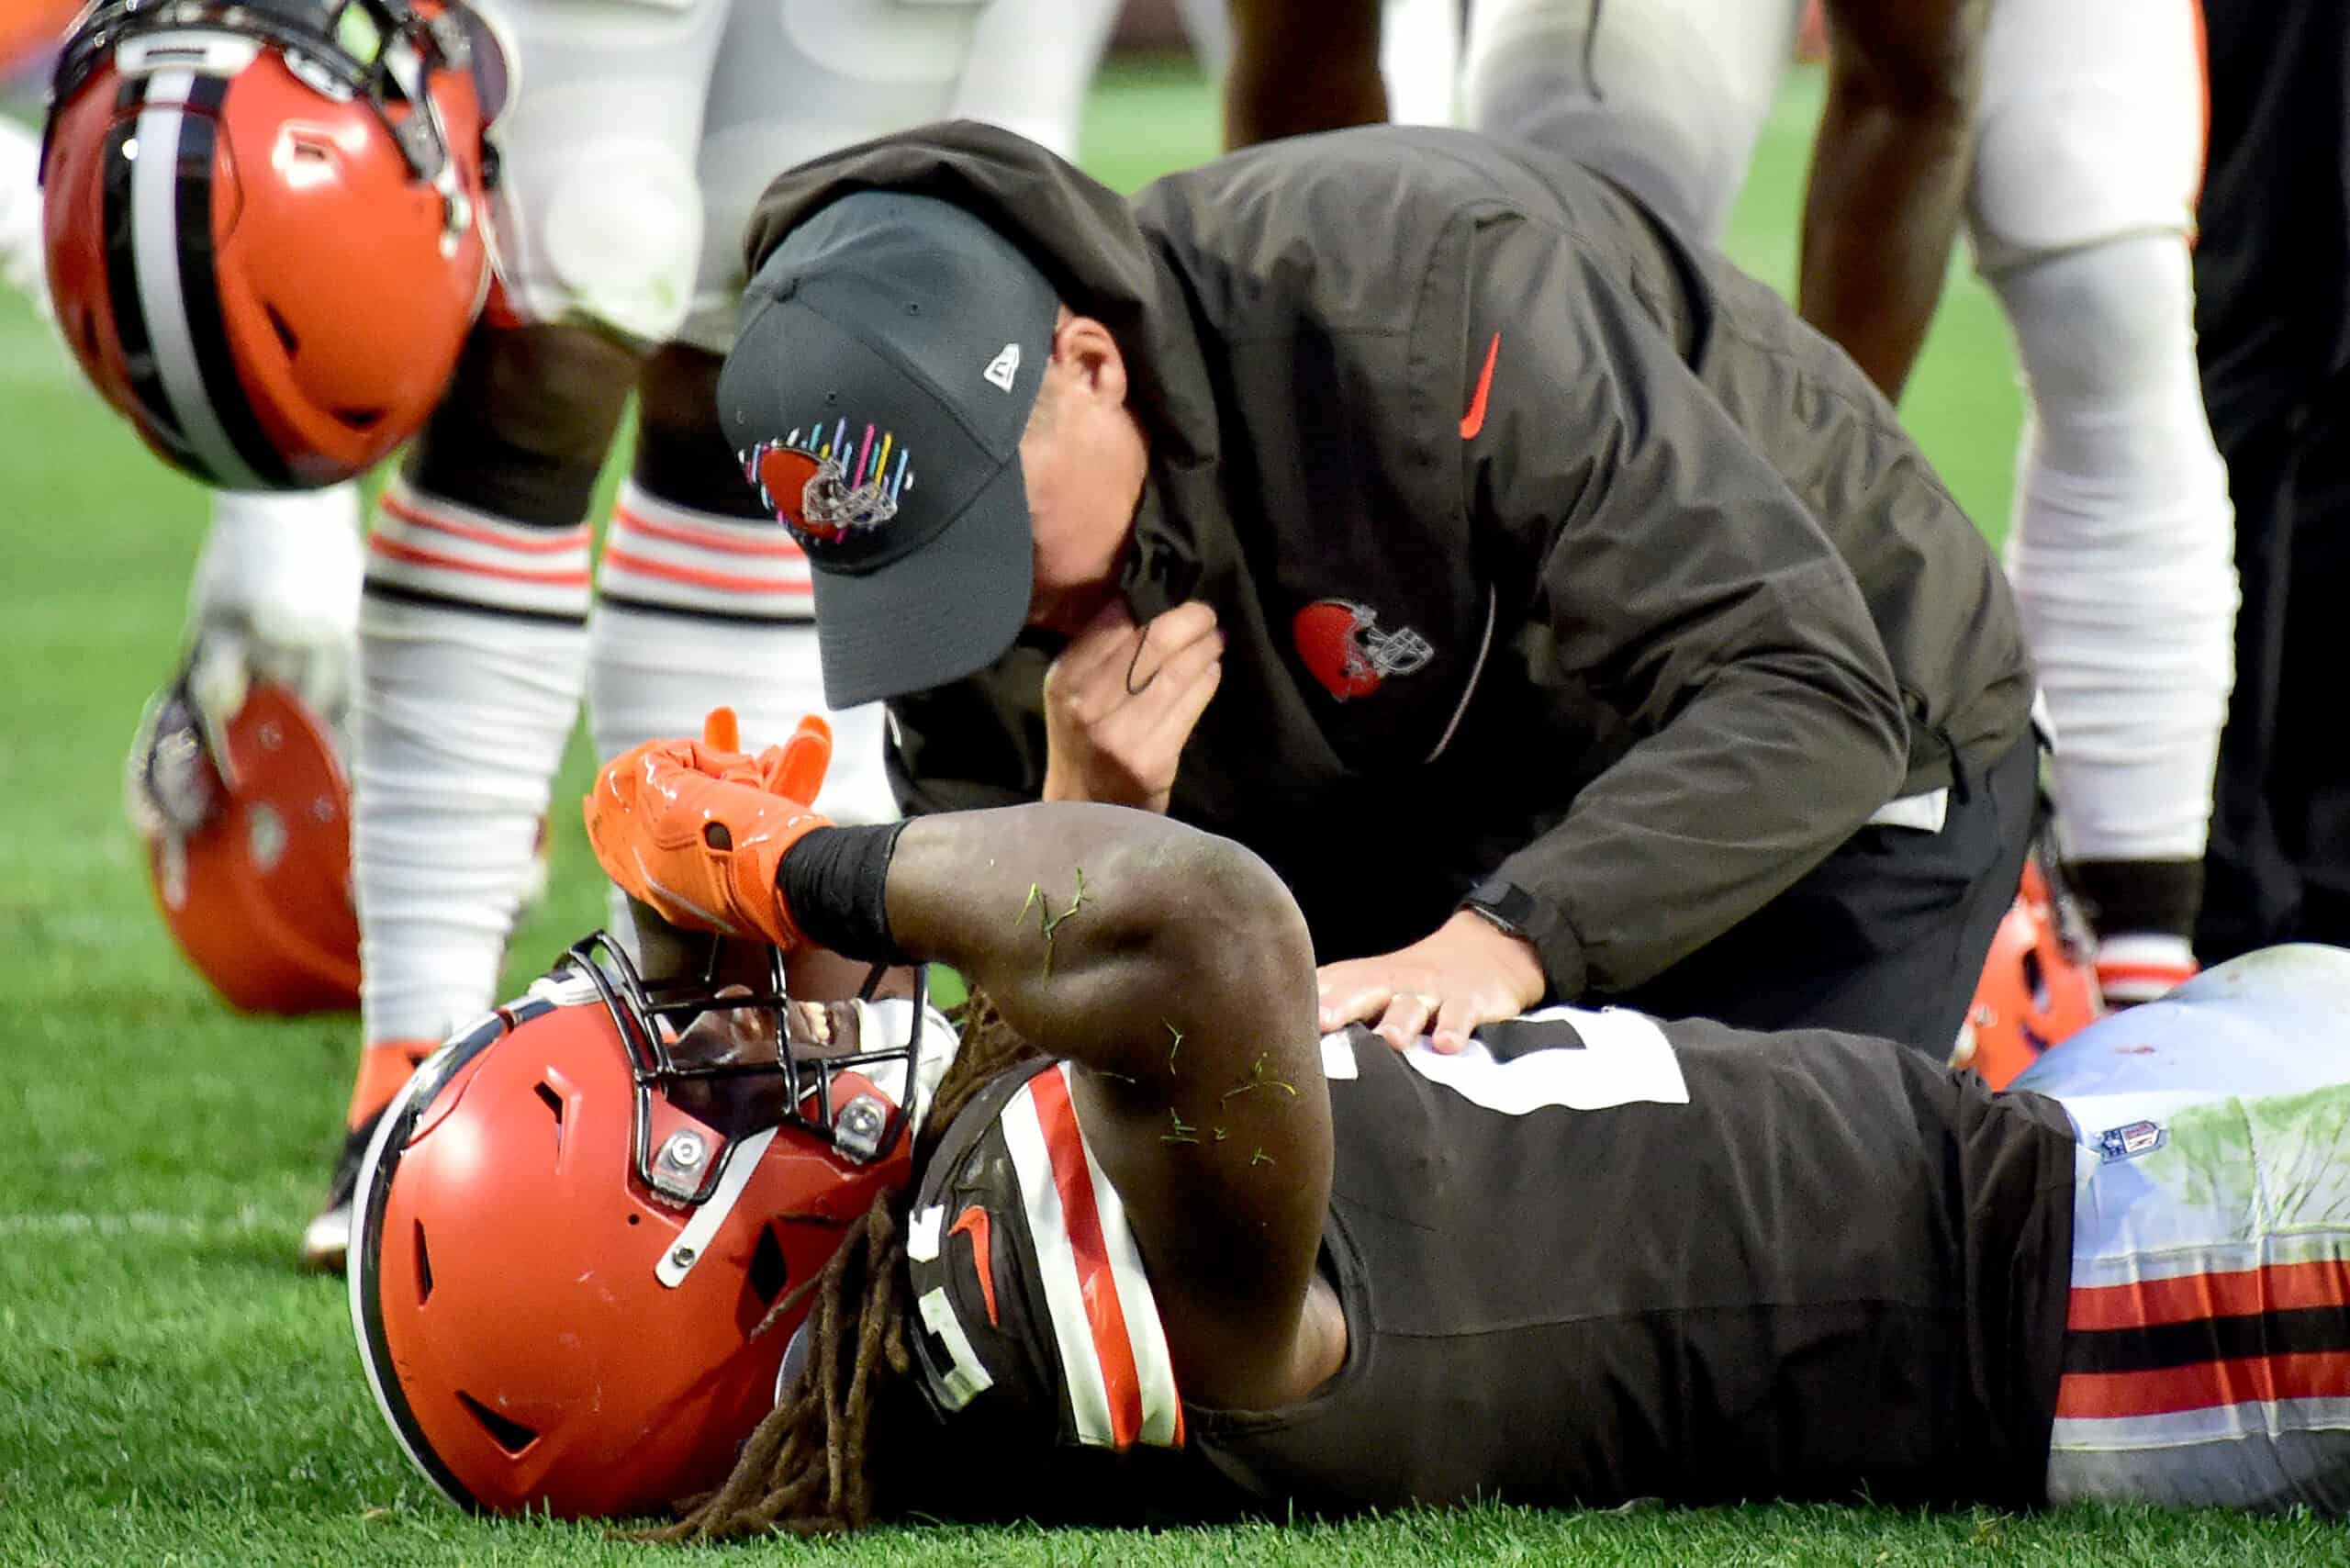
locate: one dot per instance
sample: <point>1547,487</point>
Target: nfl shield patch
<point>2130,1142</point>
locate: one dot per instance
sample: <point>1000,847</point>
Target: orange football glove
<point>696,829</point>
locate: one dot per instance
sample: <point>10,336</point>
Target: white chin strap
<point>884,1026</point>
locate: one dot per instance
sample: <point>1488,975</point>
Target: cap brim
<point>948,609</point>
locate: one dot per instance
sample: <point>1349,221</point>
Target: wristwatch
<point>1505,906</point>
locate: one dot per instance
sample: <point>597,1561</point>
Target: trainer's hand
<point>1468,973</point>
<point>1122,700</point>
<point>695,829</point>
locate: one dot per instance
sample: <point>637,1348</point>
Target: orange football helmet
<point>2039,984</point>
<point>27,28</point>
<point>576,1216</point>
<point>249,842</point>
<point>264,223</point>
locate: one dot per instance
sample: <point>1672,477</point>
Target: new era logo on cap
<point>1003,368</point>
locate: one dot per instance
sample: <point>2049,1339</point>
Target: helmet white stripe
<point>154,197</point>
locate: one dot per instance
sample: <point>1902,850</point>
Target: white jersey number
<point>1625,1059</point>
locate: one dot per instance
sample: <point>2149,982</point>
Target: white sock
<point>697,610</point>
<point>21,245</point>
<point>472,651</point>
<point>1420,55</point>
<point>284,569</point>
<point>2123,548</point>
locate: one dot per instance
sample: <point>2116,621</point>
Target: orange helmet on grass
<point>576,1221</point>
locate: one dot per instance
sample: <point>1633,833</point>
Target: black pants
<point>2279,866</point>
<point>1885,936</point>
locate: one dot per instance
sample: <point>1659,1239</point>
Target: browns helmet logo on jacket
<point>1344,649</point>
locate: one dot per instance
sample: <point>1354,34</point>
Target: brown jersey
<point>1594,1259</point>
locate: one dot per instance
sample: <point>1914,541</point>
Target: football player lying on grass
<point>1152,1248</point>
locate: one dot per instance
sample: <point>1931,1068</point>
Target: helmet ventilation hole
<point>2035,982</point>
<point>362,420</point>
<point>553,1103</point>
<point>512,1436</point>
<point>285,338</point>
<point>769,1273</point>
<point>423,1268</point>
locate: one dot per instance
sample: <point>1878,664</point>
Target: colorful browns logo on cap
<point>1343,648</point>
<point>831,483</point>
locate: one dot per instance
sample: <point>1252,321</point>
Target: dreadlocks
<point>805,1468</point>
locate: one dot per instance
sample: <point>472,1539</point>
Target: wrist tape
<point>834,883</point>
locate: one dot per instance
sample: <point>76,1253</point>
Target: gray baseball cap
<point>889,354</point>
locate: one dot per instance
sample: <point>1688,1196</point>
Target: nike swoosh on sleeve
<point>1474,420</point>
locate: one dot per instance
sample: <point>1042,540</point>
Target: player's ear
<point>1086,347</point>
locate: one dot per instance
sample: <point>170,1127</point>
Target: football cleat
<point>326,1240</point>
<point>600,1168</point>
<point>248,829</point>
<point>2037,986</point>
<point>264,223</point>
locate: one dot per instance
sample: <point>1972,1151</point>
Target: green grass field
<point>173,1390</point>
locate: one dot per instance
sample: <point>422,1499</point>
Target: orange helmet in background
<point>264,223</point>
<point>249,842</point>
<point>573,1226</point>
<point>2039,984</point>
<point>29,27</point>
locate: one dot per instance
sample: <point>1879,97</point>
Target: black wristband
<point>835,883</point>
<point>1505,905</point>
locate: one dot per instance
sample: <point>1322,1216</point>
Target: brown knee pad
<point>523,428</point>
<point>681,453</point>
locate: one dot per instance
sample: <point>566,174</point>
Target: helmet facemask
<point>741,1061</point>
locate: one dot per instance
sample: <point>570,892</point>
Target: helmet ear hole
<point>2035,981</point>
<point>510,1436</point>
<point>423,1267</point>
<point>769,1273</point>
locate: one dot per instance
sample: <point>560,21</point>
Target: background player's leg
<point>703,598</point>
<point>472,651</point>
<point>2253,891</point>
<point>2089,150</point>
<point>279,577</point>
<point>1420,44</point>
<point>2208,1325</point>
<point>2310,788</point>
<point>2121,556</point>
<point>1667,96</point>
<point>474,644</point>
